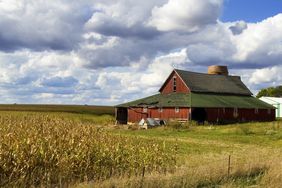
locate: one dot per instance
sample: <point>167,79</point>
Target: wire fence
<point>227,163</point>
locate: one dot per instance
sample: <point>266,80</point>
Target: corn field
<point>38,149</point>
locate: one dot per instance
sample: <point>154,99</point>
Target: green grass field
<point>255,150</point>
<point>80,109</point>
<point>201,153</point>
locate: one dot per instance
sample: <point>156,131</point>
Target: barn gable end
<point>168,86</point>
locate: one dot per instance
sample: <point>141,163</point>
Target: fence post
<point>143,172</point>
<point>229,166</point>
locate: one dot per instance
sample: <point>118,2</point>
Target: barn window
<point>174,84</point>
<point>176,109</point>
<point>235,112</point>
<point>256,111</point>
<point>160,109</point>
<point>145,109</point>
<point>269,111</point>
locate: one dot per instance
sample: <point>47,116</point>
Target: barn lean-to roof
<point>199,100</point>
<point>207,83</point>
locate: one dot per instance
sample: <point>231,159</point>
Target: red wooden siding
<point>180,85</point>
<point>136,114</point>
<point>218,114</point>
<point>213,114</point>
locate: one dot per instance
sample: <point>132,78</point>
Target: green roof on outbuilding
<point>205,100</point>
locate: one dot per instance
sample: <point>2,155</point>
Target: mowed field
<point>79,109</point>
<point>63,149</point>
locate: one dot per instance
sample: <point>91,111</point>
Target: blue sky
<point>250,10</point>
<point>107,52</point>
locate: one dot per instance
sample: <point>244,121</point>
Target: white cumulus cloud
<point>108,51</point>
<point>185,15</point>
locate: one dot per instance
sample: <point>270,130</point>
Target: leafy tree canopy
<point>270,92</point>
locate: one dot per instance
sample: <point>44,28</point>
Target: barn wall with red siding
<point>213,114</point>
<point>227,114</point>
<point>180,85</point>
<point>136,114</point>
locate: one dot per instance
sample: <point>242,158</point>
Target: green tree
<point>270,92</point>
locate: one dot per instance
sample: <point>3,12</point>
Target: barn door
<point>199,115</point>
<point>121,115</point>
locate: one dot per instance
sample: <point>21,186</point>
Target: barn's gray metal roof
<point>207,83</point>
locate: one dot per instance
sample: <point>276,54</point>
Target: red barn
<point>214,97</point>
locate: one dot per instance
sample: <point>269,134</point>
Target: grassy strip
<point>80,109</point>
<point>261,134</point>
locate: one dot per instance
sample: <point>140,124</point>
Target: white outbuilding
<point>276,102</point>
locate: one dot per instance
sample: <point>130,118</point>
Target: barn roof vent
<point>218,70</point>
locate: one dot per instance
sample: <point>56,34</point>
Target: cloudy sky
<point>111,51</point>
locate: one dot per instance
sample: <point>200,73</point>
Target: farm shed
<point>276,102</point>
<point>213,97</point>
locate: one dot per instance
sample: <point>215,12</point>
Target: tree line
<point>270,92</point>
